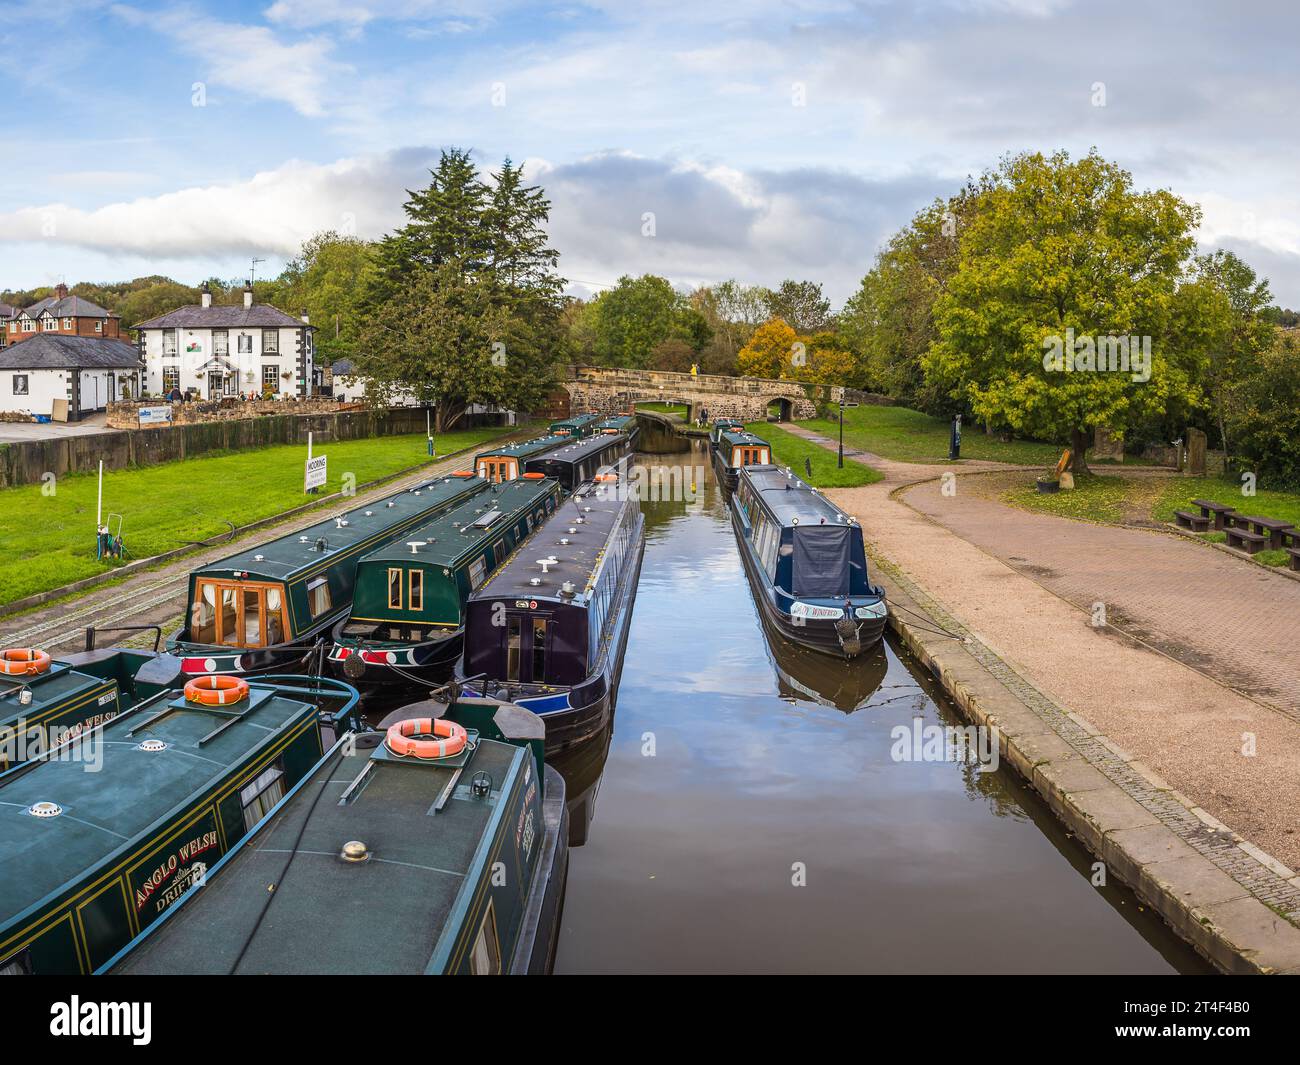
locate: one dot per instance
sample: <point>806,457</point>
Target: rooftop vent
<point>45,809</point>
<point>340,523</point>
<point>355,851</point>
<point>487,519</point>
<point>152,746</point>
<point>259,558</point>
<point>414,545</point>
<point>390,503</point>
<point>566,589</point>
<point>370,513</point>
<point>535,581</point>
<point>547,563</point>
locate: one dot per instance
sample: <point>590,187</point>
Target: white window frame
<point>270,342</point>
<point>244,344</point>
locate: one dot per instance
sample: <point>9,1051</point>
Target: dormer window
<point>50,324</point>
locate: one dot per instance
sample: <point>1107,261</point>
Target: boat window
<point>416,598</point>
<point>229,616</point>
<point>539,649</point>
<point>477,571</point>
<point>19,964</point>
<point>486,959</point>
<point>394,589</point>
<point>251,617</point>
<point>203,629</point>
<point>318,597</point>
<point>274,616</point>
<point>512,648</point>
<point>258,796</point>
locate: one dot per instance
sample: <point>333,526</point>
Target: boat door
<point>527,646</point>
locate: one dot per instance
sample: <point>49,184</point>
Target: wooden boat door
<point>527,646</point>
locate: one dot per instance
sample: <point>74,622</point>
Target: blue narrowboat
<point>806,563</point>
<point>549,628</point>
<point>583,460</point>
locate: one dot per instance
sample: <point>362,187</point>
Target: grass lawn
<point>1180,491</point>
<point>790,450</point>
<point>907,435</point>
<point>664,408</point>
<point>1092,499</point>
<point>49,541</point>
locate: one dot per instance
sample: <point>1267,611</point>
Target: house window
<point>270,378</point>
<point>20,384</point>
<point>477,571</point>
<point>318,597</point>
<point>51,324</point>
<point>99,327</point>
<point>29,326</point>
<point>244,343</point>
<point>262,793</point>
<point>486,959</point>
<point>171,377</point>
<point>415,601</point>
<point>169,341</point>
<point>67,323</point>
<point>394,589</point>
<point>270,342</point>
<point>220,342</point>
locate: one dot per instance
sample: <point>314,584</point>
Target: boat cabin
<point>505,463</point>
<point>581,460</point>
<point>619,423</point>
<point>89,859</point>
<point>579,425</point>
<point>723,425</point>
<point>410,590</point>
<point>386,863</point>
<point>301,584</point>
<point>740,448</point>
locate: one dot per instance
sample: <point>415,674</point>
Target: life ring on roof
<point>216,690</point>
<point>23,660</point>
<point>426,737</point>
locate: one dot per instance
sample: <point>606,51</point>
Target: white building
<point>228,351</point>
<point>83,372</point>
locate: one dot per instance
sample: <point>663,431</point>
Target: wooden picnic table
<point>1273,528</point>
<point>1217,511</point>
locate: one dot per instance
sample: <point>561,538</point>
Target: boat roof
<point>385,915</point>
<point>57,686</point>
<point>577,450</point>
<point>585,519</point>
<point>466,526</point>
<point>578,421</point>
<point>621,422</point>
<point>787,497</point>
<point>525,448</point>
<point>115,808</point>
<point>741,437</point>
<point>283,557</point>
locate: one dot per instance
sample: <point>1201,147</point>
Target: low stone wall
<point>125,415</point>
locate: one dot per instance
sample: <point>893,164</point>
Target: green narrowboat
<point>100,836</point>
<point>619,423</point>
<point>506,462</point>
<point>407,624</point>
<point>267,609</point>
<point>736,448</point>
<point>579,425</point>
<point>386,861</point>
<point>723,425</point>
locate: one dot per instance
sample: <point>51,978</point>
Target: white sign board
<point>155,415</point>
<point>315,472</point>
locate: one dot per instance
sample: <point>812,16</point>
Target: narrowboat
<point>506,462</point>
<point>619,423</point>
<point>737,448</point>
<point>723,425</point>
<point>548,629</point>
<point>266,609</point>
<point>582,460</point>
<point>804,676</point>
<point>806,563</point>
<point>437,844</point>
<point>101,836</point>
<point>406,628</point>
<point>580,425</point>
<point>54,700</point>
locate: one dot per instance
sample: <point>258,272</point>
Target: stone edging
<point>1235,904</point>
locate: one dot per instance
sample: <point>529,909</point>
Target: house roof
<point>6,311</point>
<point>258,316</point>
<point>54,351</point>
<point>68,307</point>
<point>342,367</point>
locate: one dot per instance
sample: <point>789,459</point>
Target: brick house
<point>62,315</point>
<point>220,351</point>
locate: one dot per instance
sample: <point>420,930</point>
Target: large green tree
<point>801,304</point>
<point>327,279</point>
<point>1062,255</point>
<point>624,325</point>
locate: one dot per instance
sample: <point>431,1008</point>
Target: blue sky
<point>768,139</point>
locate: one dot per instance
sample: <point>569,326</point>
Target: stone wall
<point>593,388</point>
<point>125,415</point>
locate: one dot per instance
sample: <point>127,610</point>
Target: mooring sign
<point>315,472</point>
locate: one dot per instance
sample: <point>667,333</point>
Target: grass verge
<point>793,451</point>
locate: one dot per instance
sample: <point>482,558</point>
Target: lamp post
<point>840,462</point>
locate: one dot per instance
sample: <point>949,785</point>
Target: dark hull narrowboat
<point>584,460</point>
<point>723,425</point>
<point>736,448</point>
<point>548,631</point>
<point>272,609</point>
<point>579,426</point>
<point>386,860</point>
<point>90,859</point>
<point>620,423</point>
<point>505,463</point>
<point>406,629</point>
<point>808,676</point>
<point>806,564</point>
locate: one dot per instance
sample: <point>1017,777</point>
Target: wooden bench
<point>1185,519</point>
<point>1276,530</point>
<point>1219,512</point>
<point>1245,540</point>
<point>1294,563</point>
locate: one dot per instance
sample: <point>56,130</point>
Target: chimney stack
<point>61,290</point>
<point>248,294</point>
<point>205,295</point>
<point>305,320</point>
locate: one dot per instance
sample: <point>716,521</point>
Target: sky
<point>755,139</point>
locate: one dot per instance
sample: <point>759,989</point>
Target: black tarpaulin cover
<point>821,560</point>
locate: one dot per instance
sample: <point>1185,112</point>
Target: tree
<point>327,278</point>
<point>732,311</point>
<point>770,351</point>
<point>624,325</point>
<point>1266,420</point>
<point>1062,257</point>
<point>673,354</point>
<point>801,304</point>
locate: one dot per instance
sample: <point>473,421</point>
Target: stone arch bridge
<point>598,388</point>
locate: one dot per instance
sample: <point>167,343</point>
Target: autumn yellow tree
<point>773,350</point>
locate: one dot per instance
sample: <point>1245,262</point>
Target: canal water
<point>746,815</point>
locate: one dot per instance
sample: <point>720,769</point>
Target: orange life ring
<point>216,690</point>
<point>401,738</point>
<point>23,660</point>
